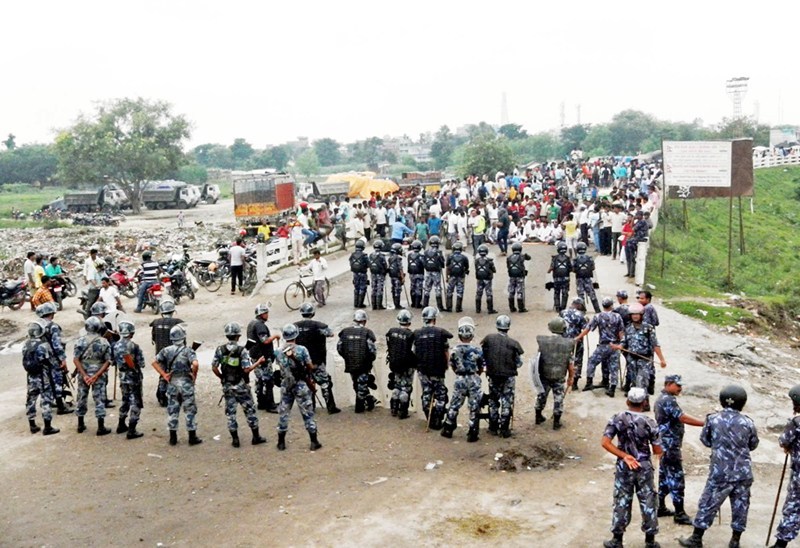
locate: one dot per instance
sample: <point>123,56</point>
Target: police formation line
<point>301,369</point>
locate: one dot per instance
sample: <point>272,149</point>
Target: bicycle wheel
<point>214,281</point>
<point>294,296</point>
<point>327,291</point>
<point>249,282</point>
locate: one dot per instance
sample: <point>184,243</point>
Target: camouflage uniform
<point>484,273</point>
<point>92,351</point>
<point>576,322</point>
<point>560,266</point>
<point>232,360</point>
<point>467,363</point>
<point>635,434</point>
<point>396,278</point>
<point>650,315</point>
<point>416,278</point>
<point>52,333</point>
<point>670,470</point>
<point>430,348</point>
<point>516,275</point>
<point>177,360</point>
<point>434,262</point>
<point>731,436</point>
<point>402,364</point>
<point>790,520</point>
<point>457,269</point>
<point>583,266</point>
<point>356,345</point>
<point>313,335</point>
<point>555,356</point>
<point>130,379</point>
<point>359,264</point>
<point>503,357</point>
<point>378,269</point>
<point>36,354</point>
<point>640,340</point>
<point>294,362</point>
<point>609,326</point>
<point>159,334</point>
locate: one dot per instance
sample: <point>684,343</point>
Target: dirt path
<point>369,483</point>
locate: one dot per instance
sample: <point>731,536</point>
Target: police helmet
<point>429,313</point>
<point>794,393</point>
<point>579,303</point>
<point>557,325</point>
<point>622,294</point>
<point>458,246</point>
<point>35,330</point>
<point>359,316</point>
<point>580,248</point>
<point>607,302</point>
<point>262,308</point>
<point>233,329</point>
<point>46,309</point>
<point>733,396</point>
<point>177,334</point>
<point>483,249</point>
<point>93,324</point>
<point>434,241</point>
<point>147,255</point>
<point>167,307</point>
<point>99,309</point>
<point>290,332</point>
<point>561,247</point>
<point>307,310</point>
<point>516,247</point>
<point>416,245</point>
<point>378,245</point>
<point>635,308</point>
<point>360,244</point>
<point>404,317</point>
<point>396,248</point>
<point>126,328</point>
<point>503,322</point>
<point>466,332</point>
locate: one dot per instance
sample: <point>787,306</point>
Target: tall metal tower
<point>578,115</point>
<point>504,110</point>
<point>562,115</point>
<point>737,89</point>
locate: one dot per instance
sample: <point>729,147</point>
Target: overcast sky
<point>272,71</point>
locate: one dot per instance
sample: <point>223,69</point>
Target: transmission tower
<point>737,89</point>
<point>562,115</point>
<point>504,110</point>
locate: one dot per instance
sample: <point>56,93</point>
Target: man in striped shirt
<point>150,271</point>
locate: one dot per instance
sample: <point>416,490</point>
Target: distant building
<point>784,135</point>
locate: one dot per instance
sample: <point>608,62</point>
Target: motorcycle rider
<point>149,277</point>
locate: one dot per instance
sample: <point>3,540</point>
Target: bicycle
<point>297,291</point>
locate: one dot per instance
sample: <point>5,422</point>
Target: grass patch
<point>26,198</point>
<point>47,224</point>
<point>721,316</point>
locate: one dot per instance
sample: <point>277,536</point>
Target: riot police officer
<point>402,364</point>
<point>378,268</point>
<point>516,277</point>
<point>295,367</point>
<point>555,362</point>
<point>357,346</point>
<point>560,267</point>
<point>584,276</point>
<point>100,310</point>
<point>639,344</point>
<point>359,264</point>
<point>396,275</point>
<point>159,336</point>
<point>731,437</point>
<point>431,350</point>
<point>457,268</point>
<point>484,274</point>
<point>503,357</point>
<point>433,260</point>
<point>790,442</point>
<point>576,321</point>
<point>312,335</point>
<point>92,358</point>
<point>130,364</point>
<point>260,345</point>
<point>52,335</point>
<point>231,364</point>
<point>468,364</point>
<point>38,362</point>
<point>609,326</point>
<point>416,273</point>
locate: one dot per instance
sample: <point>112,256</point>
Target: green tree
<point>482,129</point>
<point>629,130</point>
<point>512,132</point>
<point>598,142</point>
<point>539,147</point>
<point>192,173</point>
<point>28,164</point>
<point>213,155</point>
<point>369,151</point>
<point>11,142</point>
<point>442,148</point>
<point>241,151</point>
<point>127,142</point>
<point>572,138</point>
<point>327,151</point>
<point>307,163</point>
<point>487,155</point>
<point>280,156</point>
<point>743,127</point>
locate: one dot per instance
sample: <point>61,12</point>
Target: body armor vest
<point>310,335</point>
<point>555,355</point>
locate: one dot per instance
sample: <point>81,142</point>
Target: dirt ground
<point>369,483</point>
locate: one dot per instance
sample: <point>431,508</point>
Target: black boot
<point>359,405</point>
<point>478,306</point>
<point>439,302</point>
<point>330,402</point>
<point>63,409</point>
<point>109,404</point>
<point>101,428</point>
<point>521,304</point>
<point>402,412</point>
<point>369,402</point>
<point>663,511</point>
<point>575,383</point>
<point>393,406</point>
<point>447,430</point>
<point>315,444</point>
<point>459,302</point>
<point>361,298</point>
<point>374,302</point>
<point>132,433</point>
<point>269,398</point>
<point>472,434</point>
<point>780,544</point>
<point>34,428</point>
<point>589,385</point>
<point>650,541</point>
<point>355,300</point>
<point>694,541</point>
<point>425,300</point>
<point>257,439</point>
<point>235,438</point>
<point>735,538</point>
<point>436,419</point>
<point>48,428</point>
<point>193,439</point>
<point>564,297</point>
<point>610,391</point>
<point>556,422</point>
<point>539,417</point>
<point>505,431</point>
<point>281,441</point>
<point>448,304</point>
<point>81,425</point>
<point>493,426</point>
<point>681,517</point>
<point>511,306</point>
<point>615,542</point>
<point>173,437</point>
<point>490,305</point>
<point>595,305</point>
<point>121,426</point>
<point>397,304</point>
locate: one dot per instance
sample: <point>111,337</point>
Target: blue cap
<point>673,378</point>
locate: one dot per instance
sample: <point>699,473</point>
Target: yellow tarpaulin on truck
<point>361,184</point>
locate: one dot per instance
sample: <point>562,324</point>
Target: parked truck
<point>261,194</point>
<point>323,190</point>
<point>210,193</point>
<point>107,198</point>
<point>167,194</point>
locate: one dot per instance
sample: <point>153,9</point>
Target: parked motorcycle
<point>62,287</point>
<point>13,293</point>
<point>154,294</point>
<point>125,285</point>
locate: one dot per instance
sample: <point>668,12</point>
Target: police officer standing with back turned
<point>260,345</point>
<point>92,357</point>
<point>790,442</point>
<point>457,268</point>
<point>378,268</point>
<point>731,437</point>
<point>313,336</point>
<point>516,277</point>
<point>130,363</point>
<point>467,362</point>
<point>295,367</point>
<point>52,335</point>
<point>160,329</point>
<point>560,267</point>
<point>503,357</point>
<point>609,325</point>
<point>432,354</point>
<point>583,266</point>
<point>484,274</point>
<point>38,361</point>
<point>416,273</point>
<point>575,318</point>
<point>555,363</point>
<point>402,364</point>
<point>433,260</point>
<point>396,275</point>
<point>357,346</point>
<point>359,264</point>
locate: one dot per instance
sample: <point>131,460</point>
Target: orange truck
<point>262,194</point>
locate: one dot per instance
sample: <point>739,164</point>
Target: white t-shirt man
<point>236,254</point>
<point>109,296</point>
